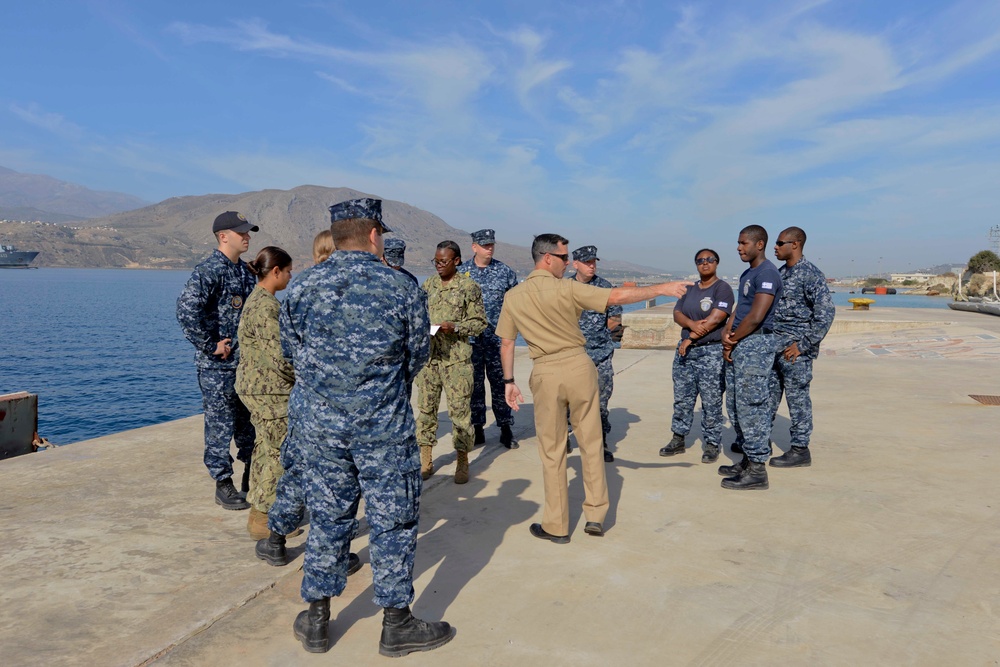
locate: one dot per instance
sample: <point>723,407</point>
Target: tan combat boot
<point>257,525</point>
<point>462,467</point>
<point>426,462</point>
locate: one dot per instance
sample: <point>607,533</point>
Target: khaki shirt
<point>262,369</point>
<point>460,302</point>
<point>546,312</point>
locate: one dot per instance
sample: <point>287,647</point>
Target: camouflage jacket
<point>210,305</point>
<point>460,302</point>
<point>494,281</point>
<point>356,331</point>
<point>262,369</point>
<point>805,311</point>
<point>594,326</point>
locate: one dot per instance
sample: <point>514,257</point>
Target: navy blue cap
<point>394,249</point>
<point>484,237</point>
<point>365,208</point>
<point>585,253</point>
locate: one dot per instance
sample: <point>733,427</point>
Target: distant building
<point>918,277</point>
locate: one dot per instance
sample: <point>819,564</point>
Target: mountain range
<point>177,233</point>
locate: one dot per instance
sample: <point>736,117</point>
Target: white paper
<point>434,328</point>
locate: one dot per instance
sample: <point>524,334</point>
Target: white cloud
<point>52,122</point>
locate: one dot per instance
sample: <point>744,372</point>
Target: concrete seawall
<point>883,552</point>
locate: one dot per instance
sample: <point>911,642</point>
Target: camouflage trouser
<point>605,387</point>
<point>793,380</point>
<point>388,474</point>
<point>699,372</point>
<point>226,418</point>
<point>748,394</point>
<point>265,466</point>
<point>486,365</point>
<point>456,380</point>
<point>288,509</point>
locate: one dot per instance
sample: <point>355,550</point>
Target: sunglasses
<point>705,260</point>
<point>443,262</point>
<point>564,258</point>
<point>781,243</point>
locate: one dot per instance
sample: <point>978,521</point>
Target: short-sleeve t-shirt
<point>546,310</point>
<point>698,302</point>
<point>764,279</point>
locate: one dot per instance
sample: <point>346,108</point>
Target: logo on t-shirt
<point>723,304</point>
<point>706,304</point>
<point>767,285</point>
<point>746,288</point>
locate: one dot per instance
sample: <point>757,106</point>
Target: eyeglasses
<point>705,260</point>
<point>442,262</point>
<point>781,243</point>
<point>564,258</point>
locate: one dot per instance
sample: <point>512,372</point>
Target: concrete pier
<point>885,551</point>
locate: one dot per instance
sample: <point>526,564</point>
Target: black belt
<point>705,344</point>
<point>760,330</point>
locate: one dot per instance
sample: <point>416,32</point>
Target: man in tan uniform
<point>546,310</point>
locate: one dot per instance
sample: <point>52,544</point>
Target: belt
<point>760,330</point>
<point>705,344</point>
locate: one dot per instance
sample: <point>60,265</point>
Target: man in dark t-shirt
<point>748,346</point>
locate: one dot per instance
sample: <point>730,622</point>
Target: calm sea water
<point>103,351</point>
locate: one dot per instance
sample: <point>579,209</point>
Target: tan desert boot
<point>426,462</point>
<point>462,467</point>
<point>257,525</point>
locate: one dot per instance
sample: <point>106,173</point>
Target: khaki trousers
<point>560,381</point>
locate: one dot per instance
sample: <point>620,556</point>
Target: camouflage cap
<point>365,208</point>
<point>231,220</point>
<point>585,253</point>
<point>394,250</point>
<point>484,237</point>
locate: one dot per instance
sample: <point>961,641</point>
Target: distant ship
<point>12,258</point>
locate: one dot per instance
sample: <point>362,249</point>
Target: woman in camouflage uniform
<point>264,380</point>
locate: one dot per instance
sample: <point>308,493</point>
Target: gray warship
<point>12,258</point>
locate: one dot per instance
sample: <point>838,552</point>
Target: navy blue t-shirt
<point>764,279</point>
<point>698,302</point>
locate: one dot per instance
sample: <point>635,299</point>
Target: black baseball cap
<point>231,220</point>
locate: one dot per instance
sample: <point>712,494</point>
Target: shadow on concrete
<point>467,529</point>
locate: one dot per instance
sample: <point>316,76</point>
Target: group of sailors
<point>315,390</point>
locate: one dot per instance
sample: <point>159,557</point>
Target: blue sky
<point>650,129</point>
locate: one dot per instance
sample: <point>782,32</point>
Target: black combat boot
<point>675,446</point>
<point>272,550</point>
<point>312,626</point>
<point>245,485</point>
<point>737,447</point>
<point>608,456</point>
<point>796,457</point>
<point>227,496</point>
<point>480,435</point>
<point>711,454</point>
<point>403,633</point>
<point>735,469</point>
<point>754,476</point>
<point>507,438</point>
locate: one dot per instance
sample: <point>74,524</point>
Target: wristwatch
<point>508,380</point>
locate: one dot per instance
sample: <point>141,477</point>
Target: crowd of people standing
<point>316,389</point>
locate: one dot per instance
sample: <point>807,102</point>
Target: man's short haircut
<point>755,233</point>
<point>546,243</point>
<point>353,232</point>
<point>451,245</point>
<point>795,234</point>
<point>714,254</point>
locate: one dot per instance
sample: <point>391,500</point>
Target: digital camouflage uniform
<point>804,315</point>
<point>699,372</point>
<point>264,380</point>
<point>494,281</point>
<point>748,376</point>
<point>356,332</point>
<point>208,310</point>
<point>601,349</point>
<point>460,302</point>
